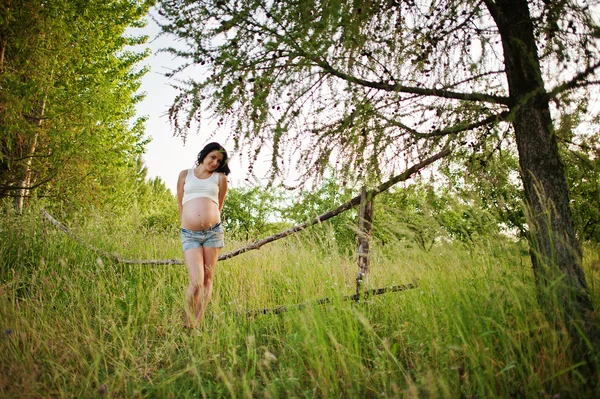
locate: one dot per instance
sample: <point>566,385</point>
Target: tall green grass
<point>78,325</point>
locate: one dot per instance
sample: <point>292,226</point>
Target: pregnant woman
<point>201,194</point>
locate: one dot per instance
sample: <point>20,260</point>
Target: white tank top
<point>195,188</point>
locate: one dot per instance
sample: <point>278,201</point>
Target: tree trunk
<point>555,251</point>
<point>2,51</point>
<point>365,227</point>
<point>26,181</point>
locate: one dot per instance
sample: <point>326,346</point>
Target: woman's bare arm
<point>222,190</point>
<point>180,184</point>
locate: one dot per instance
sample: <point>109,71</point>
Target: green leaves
<point>582,166</point>
<point>252,212</point>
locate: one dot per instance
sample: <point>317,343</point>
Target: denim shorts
<point>212,237</point>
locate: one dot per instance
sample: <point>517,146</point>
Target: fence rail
<point>257,244</point>
<point>323,301</point>
<point>365,199</point>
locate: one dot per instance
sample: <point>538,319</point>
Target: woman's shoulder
<point>183,174</point>
<point>221,178</point>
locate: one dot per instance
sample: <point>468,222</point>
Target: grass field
<point>78,325</point>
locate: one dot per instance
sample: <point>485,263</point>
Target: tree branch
<point>408,89</point>
<point>38,184</point>
<point>573,83</point>
<point>458,128</point>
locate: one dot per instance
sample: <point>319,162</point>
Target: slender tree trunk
<point>555,251</point>
<point>4,9</point>
<point>2,51</point>
<point>26,180</point>
<point>365,227</point>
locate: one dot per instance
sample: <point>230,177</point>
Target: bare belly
<point>199,214</point>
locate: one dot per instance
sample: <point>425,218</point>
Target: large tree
<point>372,83</point>
<point>67,98</point>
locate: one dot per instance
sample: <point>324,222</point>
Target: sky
<point>166,155</point>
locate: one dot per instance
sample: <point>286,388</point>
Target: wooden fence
<point>365,220</point>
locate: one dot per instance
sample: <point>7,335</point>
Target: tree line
<point>69,85</point>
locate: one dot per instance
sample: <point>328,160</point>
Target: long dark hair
<point>210,147</point>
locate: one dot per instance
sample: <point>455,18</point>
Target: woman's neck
<point>201,170</point>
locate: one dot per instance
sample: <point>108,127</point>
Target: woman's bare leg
<point>194,260</point>
<point>211,256</point>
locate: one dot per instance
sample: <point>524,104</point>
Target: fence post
<point>365,226</point>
